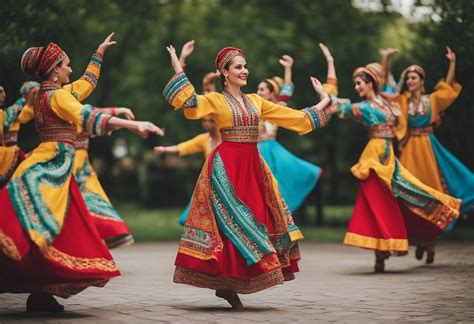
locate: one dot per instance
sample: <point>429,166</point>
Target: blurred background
<point>149,190</point>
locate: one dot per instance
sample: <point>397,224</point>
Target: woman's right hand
<point>174,59</point>
<point>318,87</point>
<point>159,149</point>
<point>144,129</point>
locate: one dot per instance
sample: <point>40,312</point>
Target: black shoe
<point>419,252</point>
<point>379,267</point>
<point>430,258</point>
<point>43,303</point>
<point>231,297</point>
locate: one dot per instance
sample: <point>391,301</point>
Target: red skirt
<point>230,270</point>
<point>382,222</point>
<point>77,259</point>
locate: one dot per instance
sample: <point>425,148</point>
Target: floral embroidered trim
<point>92,72</point>
<point>8,247</point>
<point>239,286</point>
<point>317,117</point>
<point>240,134</point>
<point>78,263</point>
<point>179,83</point>
<point>421,131</point>
<point>93,121</point>
<point>242,116</point>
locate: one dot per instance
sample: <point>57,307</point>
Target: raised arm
<point>331,79</point>
<point>452,66</point>
<point>180,93</point>
<point>301,121</point>
<point>83,87</point>
<point>187,49</point>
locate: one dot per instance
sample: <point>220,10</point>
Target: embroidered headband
<point>225,55</point>
<point>39,61</point>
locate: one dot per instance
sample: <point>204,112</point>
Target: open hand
<point>106,43</point>
<point>187,49</point>
<point>388,52</point>
<point>174,59</point>
<point>318,87</point>
<point>144,129</point>
<point>127,112</point>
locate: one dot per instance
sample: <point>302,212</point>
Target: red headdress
<point>225,55</point>
<point>39,61</point>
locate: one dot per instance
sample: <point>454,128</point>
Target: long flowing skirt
<point>10,157</point>
<point>112,228</point>
<point>393,208</point>
<point>296,178</point>
<point>76,259</point>
<point>240,234</point>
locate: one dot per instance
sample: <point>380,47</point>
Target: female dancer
<point>48,242</point>
<point>240,236</point>
<point>392,205</point>
<point>10,119</point>
<point>296,178</point>
<point>111,227</point>
<point>420,151</point>
<point>203,143</point>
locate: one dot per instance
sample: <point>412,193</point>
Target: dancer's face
<point>63,71</point>
<point>264,92</point>
<point>237,73</point>
<point>363,88</point>
<point>414,81</point>
<point>3,95</point>
<point>208,124</point>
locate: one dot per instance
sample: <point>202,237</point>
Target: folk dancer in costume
<point>420,151</point>
<point>296,178</point>
<point>111,227</point>
<point>240,236</point>
<point>49,244</point>
<point>20,112</point>
<point>393,207</point>
<point>203,143</point>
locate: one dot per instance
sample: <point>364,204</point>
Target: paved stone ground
<point>336,284</point>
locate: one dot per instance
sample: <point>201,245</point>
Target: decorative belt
<point>382,131</point>
<point>82,141</point>
<point>421,131</point>
<point>56,136</point>
<point>11,138</point>
<point>240,134</point>
<point>266,137</point>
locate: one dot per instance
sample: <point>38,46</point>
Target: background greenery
<point>135,72</point>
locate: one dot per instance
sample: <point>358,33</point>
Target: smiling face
<point>264,91</point>
<point>63,71</point>
<point>414,81</point>
<point>362,87</point>
<point>3,95</point>
<point>237,73</point>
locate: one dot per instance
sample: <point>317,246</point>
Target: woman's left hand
<point>318,87</point>
<point>144,129</point>
<point>127,112</point>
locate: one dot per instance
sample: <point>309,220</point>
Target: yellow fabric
<point>200,143</point>
<point>92,184</point>
<point>2,119</point>
<point>66,107</point>
<point>440,99</point>
<point>376,151</point>
<point>375,243</point>
<point>83,88</point>
<point>215,106</point>
<point>418,157</point>
<point>55,198</point>
<point>26,114</point>
<point>8,157</point>
<point>330,89</point>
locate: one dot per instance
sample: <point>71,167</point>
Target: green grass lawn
<point>162,225</point>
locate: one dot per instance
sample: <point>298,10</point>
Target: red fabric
<point>39,61</point>
<point>243,168</point>
<point>418,228</point>
<point>109,229</point>
<point>376,212</point>
<point>78,238</point>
